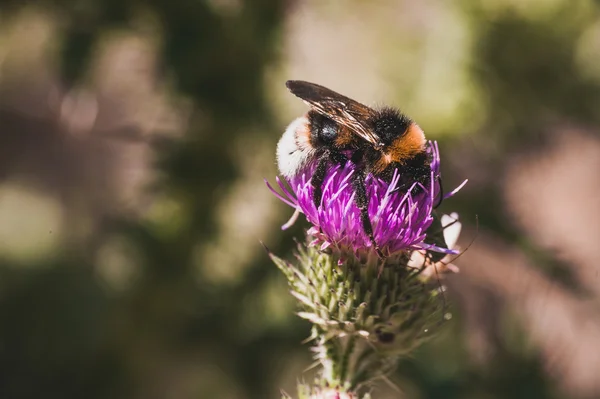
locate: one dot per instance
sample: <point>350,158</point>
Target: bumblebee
<point>338,129</point>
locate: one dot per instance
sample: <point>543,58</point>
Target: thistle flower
<point>366,311</point>
<point>400,219</point>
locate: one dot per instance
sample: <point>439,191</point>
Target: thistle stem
<point>346,359</point>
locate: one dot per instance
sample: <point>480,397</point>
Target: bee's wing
<point>339,108</point>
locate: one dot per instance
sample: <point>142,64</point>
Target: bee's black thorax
<point>389,125</point>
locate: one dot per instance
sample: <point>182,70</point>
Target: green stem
<point>346,358</point>
<point>331,366</point>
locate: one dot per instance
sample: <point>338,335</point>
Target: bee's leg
<point>318,179</point>
<point>362,202</point>
<point>319,176</point>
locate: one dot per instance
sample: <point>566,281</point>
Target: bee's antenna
<point>441,195</point>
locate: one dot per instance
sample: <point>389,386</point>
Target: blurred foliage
<point>178,301</point>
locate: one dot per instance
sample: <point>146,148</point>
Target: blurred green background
<point>134,139</point>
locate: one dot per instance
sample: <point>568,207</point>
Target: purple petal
<point>399,219</point>
<point>457,189</point>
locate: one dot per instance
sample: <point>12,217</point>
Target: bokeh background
<point>134,139</point>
